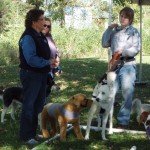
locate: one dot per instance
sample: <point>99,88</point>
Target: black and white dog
<point>12,96</point>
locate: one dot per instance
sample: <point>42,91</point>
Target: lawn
<point>79,76</point>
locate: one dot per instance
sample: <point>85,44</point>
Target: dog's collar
<point>69,114</point>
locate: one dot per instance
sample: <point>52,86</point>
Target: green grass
<point>79,76</point>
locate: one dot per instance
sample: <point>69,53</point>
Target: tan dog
<point>64,113</point>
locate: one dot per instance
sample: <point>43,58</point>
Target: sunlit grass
<point>79,76</point>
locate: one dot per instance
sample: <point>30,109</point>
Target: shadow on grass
<point>115,141</point>
<point>80,76</point>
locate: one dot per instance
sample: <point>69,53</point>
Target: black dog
<point>14,95</point>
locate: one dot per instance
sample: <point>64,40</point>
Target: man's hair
<point>128,12</point>
<point>33,15</point>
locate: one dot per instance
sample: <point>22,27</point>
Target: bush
<point>72,43</point>
<point>75,43</point>
<point>9,46</point>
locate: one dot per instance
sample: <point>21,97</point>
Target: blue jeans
<point>34,92</point>
<point>126,77</point>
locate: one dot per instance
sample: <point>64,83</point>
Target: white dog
<point>103,97</point>
<point>139,108</point>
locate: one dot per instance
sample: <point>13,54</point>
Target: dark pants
<point>34,92</point>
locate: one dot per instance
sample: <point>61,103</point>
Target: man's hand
<point>114,25</point>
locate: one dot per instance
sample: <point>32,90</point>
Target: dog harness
<point>66,113</point>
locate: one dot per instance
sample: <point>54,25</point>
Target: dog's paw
<point>3,120</point>
<point>46,134</point>
<point>86,137</point>
<point>104,139</point>
<point>81,138</point>
<point>110,132</point>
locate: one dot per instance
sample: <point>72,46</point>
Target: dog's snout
<point>97,99</point>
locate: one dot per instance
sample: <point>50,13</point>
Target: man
<point>124,40</point>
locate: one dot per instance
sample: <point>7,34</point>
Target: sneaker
<point>39,137</point>
<point>31,142</point>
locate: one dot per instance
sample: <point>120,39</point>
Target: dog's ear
<point>75,101</point>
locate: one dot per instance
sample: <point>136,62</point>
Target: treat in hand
<point>113,63</point>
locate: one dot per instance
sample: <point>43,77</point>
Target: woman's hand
<point>54,62</point>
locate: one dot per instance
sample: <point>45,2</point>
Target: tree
<point>11,14</point>
<point>56,8</point>
<point>36,3</point>
<point>122,2</point>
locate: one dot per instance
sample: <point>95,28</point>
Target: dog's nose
<point>97,99</point>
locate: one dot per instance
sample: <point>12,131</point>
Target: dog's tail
<point>111,77</point>
<point>136,106</point>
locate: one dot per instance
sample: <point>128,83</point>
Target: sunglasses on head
<point>48,26</point>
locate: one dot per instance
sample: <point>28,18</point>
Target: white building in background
<point>78,17</point>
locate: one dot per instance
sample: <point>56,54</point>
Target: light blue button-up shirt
<point>127,40</point>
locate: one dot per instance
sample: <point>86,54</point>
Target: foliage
<point>12,27</point>
<point>72,43</point>
<point>75,43</point>
<point>11,14</point>
<point>122,2</point>
<point>56,8</point>
<point>36,3</point>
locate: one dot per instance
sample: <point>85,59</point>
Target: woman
<point>35,64</point>
<point>54,51</point>
<point>124,40</point>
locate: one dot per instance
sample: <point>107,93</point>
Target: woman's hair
<point>47,19</point>
<point>128,12</point>
<point>33,15</point>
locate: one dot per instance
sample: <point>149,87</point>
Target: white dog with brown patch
<point>138,108</point>
<point>143,114</point>
<point>103,97</point>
